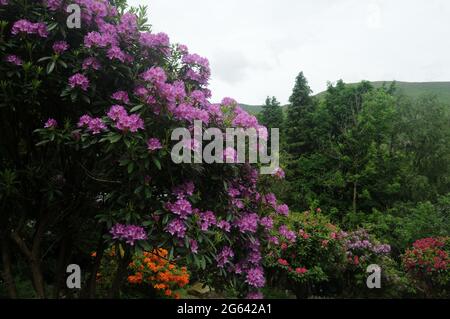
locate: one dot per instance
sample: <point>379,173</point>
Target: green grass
<point>411,89</point>
<point>416,89</point>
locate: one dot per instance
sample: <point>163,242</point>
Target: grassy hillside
<point>412,89</point>
<point>416,89</point>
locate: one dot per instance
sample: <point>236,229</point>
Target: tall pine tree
<point>298,117</point>
<point>272,114</point>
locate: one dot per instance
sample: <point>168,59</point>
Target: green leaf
<point>157,162</point>
<point>115,138</point>
<point>50,67</point>
<point>137,108</point>
<point>63,64</point>
<point>130,167</point>
<point>44,59</point>
<point>86,99</point>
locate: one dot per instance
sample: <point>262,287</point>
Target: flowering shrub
<point>362,249</point>
<point>306,253</point>
<point>313,257</point>
<point>428,263</point>
<point>154,269</point>
<point>102,101</point>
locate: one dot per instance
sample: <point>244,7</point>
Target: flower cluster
<point>123,121</point>
<point>14,59</point>
<point>94,125</point>
<point>27,27</point>
<point>51,123</point>
<point>79,80</point>
<point>428,255</point>
<point>153,144</point>
<point>154,269</point>
<point>360,246</point>
<point>60,47</point>
<point>129,233</point>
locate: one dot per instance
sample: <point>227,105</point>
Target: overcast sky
<point>257,47</point>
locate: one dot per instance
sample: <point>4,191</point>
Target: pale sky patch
<point>257,47</point>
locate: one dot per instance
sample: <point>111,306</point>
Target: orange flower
<point>168,292</point>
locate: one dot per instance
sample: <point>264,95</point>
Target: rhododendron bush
<point>427,261</point>
<point>313,257</point>
<point>88,115</point>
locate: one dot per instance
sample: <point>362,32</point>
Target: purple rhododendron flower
<point>181,207</point>
<point>153,144</point>
<point>79,80</point>
<point>286,233</point>
<point>91,63</point>
<point>257,295</point>
<point>176,228</point>
<point>129,233</point>
<point>183,190</point>
<point>255,277</point>
<point>194,246</point>
<point>224,256</point>
<point>121,96</point>
<point>283,210</point>
<point>224,225</point>
<point>94,125</point>
<point>14,59</point>
<point>60,47</point>
<point>248,223</point>
<point>28,27</point>
<point>51,123</point>
<point>267,222</point>
<point>207,219</point>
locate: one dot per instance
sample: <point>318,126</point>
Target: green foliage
<point>272,114</point>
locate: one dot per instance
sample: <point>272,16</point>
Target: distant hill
<point>412,89</point>
<point>252,109</point>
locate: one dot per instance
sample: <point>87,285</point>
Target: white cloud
<point>257,47</point>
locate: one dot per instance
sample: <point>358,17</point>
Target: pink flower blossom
<point>279,173</point>
<point>60,47</point>
<point>181,207</point>
<point>156,75</point>
<point>94,125</point>
<point>194,246</point>
<point>153,144</point>
<point>14,59</point>
<point>128,233</point>
<point>224,256</point>
<point>92,63</point>
<point>176,228</point>
<point>121,96</point>
<point>51,123</point>
<point>79,80</point>
<point>283,210</point>
<point>301,270</point>
<point>26,27</point>
<point>255,277</point>
<point>224,225</point>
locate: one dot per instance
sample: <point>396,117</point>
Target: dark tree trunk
<point>64,254</point>
<point>7,269</point>
<point>120,274</point>
<point>91,289</point>
<point>34,258</point>
<point>38,278</point>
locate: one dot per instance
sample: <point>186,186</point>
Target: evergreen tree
<point>272,114</point>
<point>298,117</point>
